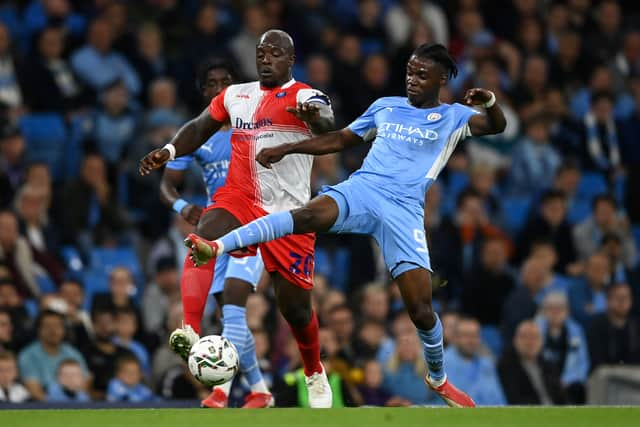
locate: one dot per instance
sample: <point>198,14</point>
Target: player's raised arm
<point>490,123</point>
<point>331,142</point>
<point>189,137</point>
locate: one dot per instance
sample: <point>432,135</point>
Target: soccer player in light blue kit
<point>385,197</point>
<point>238,275</point>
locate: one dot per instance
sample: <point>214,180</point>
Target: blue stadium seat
<point>46,136</point>
<point>95,281</point>
<point>492,337</point>
<point>103,260</point>
<point>46,285</point>
<point>516,212</point>
<point>591,184</point>
<point>579,211</point>
<point>72,258</point>
<point>451,188</point>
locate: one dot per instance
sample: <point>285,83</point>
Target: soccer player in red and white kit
<point>266,113</point>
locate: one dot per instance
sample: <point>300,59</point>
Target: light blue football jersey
<point>412,144</point>
<point>213,157</point>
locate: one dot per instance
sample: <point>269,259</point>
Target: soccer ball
<point>213,360</point>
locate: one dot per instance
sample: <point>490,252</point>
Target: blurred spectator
<point>114,125</point>
<point>150,60</point>
<point>98,65</point>
<point>374,303</point>
<point>13,303</point>
<point>16,254</point>
<point>613,249</point>
<point>170,245</point>
<point>348,58</point>
<point>340,321</point>
<point>10,78</point>
<point>550,223</point>
<point>449,321</point>
<point>32,206</point>
<point>630,152</point>
<point>405,371</point>
<point>208,36</point>
<point>460,238</point>
<point>401,19</point>
<point>372,341</point>
<point>607,33</point>
<point>627,61</point>
<point>613,336</point>
<point>102,353</point>
<point>122,288</point>
<point>159,295</point>
<point>528,95</point>
<point>367,25</point>
<point>482,180</point>
<point>255,23</point>
<point>526,378</point>
<point>565,345</point>
<point>91,214</point>
<point>468,369</point>
<point>162,97</point>
<point>39,361</point>
<point>41,13</point>
<point>70,385</point>
<point>565,131</point>
<point>127,385</point>
<point>372,390</point>
<point>488,286</point>
<point>12,161</point>
<point>11,391</point>
<point>116,13</point>
<point>534,160</point>
<point>78,320</point>
<point>604,219</point>
<point>7,341</point>
<point>567,69</point>
<point>587,296</point>
<point>126,328</point>
<point>601,149</point>
<point>566,182</point>
<point>51,84</point>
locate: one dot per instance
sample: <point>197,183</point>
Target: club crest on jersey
<point>432,117</point>
<point>281,94</point>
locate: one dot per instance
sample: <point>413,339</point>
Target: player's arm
<point>318,116</point>
<point>331,142</point>
<point>171,180</point>
<point>490,123</point>
<point>189,138</point>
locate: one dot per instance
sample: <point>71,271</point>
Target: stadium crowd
<point>533,234</point>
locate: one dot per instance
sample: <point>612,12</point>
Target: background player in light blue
<point>385,197</point>
<point>238,275</point>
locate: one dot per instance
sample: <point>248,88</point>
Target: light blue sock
<point>265,229</point>
<point>234,326</point>
<point>433,350</point>
<point>249,361</point>
<point>235,329</point>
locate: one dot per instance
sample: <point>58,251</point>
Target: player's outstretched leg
<point>318,215</point>
<point>295,305</point>
<point>415,287</point>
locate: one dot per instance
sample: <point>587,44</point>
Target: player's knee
<point>422,314</point>
<point>297,317</point>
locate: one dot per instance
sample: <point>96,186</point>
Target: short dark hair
<point>552,194</point>
<point>126,358</point>
<point>604,198</point>
<point>439,54</point>
<point>468,193</point>
<point>99,311</point>
<point>213,64</point>
<point>47,313</point>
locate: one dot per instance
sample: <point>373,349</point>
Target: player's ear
<point>444,79</point>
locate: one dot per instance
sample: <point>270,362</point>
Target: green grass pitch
<point>360,417</point>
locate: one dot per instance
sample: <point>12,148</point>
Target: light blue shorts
<point>248,269</point>
<point>397,226</point>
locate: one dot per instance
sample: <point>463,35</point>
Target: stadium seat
<point>103,260</point>
<point>516,212</point>
<point>579,211</point>
<point>72,258</point>
<point>46,285</point>
<point>492,337</point>
<point>94,282</point>
<point>46,136</point>
<point>591,184</point>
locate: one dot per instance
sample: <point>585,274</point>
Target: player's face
<point>273,64</point>
<point>423,81</point>
<point>217,80</point>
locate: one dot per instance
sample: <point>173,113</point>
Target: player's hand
<point>191,214</point>
<point>306,112</point>
<point>267,156</point>
<point>153,160</point>
<point>477,96</point>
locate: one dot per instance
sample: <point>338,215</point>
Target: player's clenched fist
<point>306,112</point>
<point>153,160</point>
<point>267,156</point>
<point>477,96</point>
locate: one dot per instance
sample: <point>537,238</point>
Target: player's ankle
<point>260,387</point>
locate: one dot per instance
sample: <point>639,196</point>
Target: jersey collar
<point>284,86</point>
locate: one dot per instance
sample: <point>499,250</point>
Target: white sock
<point>260,387</point>
<point>226,387</point>
<point>436,383</point>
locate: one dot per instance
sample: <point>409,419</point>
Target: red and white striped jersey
<point>259,120</point>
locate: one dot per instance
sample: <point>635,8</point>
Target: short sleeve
<point>181,163</point>
<point>366,121</point>
<point>217,109</point>
<point>463,114</point>
<point>28,366</point>
<point>312,95</point>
